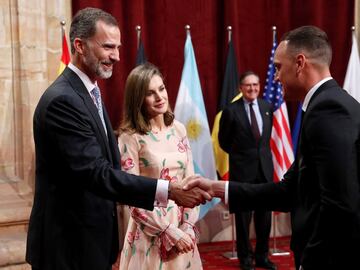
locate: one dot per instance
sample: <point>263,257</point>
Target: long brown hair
<point>135,119</point>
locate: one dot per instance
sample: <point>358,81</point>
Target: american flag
<point>280,143</point>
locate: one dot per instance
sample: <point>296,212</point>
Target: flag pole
<point>187,29</point>
<point>353,33</point>
<point>274,33</point>
<point>229,29</point>
<point>138,35</point>
<point>62,23</point>
<point>231,255</point>
<point>275,251</point>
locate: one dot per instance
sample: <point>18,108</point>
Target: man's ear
<point>79,45</point>
<point>300,63</point>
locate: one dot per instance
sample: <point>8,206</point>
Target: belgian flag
<point>229,94</point>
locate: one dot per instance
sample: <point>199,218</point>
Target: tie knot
<point>96,92</point>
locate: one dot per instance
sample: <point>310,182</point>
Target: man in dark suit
<point>73,223</point>
<point>322,187</point>
<point>244,133</point>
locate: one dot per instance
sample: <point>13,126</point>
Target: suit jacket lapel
<point>328,84</point>
<point>112,146</point>
<point>81,90</point>
<point>264,115</point>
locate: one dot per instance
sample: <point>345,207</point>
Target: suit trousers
<point>262,223</point>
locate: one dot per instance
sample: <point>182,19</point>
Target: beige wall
<point>30,48</point>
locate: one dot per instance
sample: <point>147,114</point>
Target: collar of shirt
<point>247,102</point>
<point>84,78</point>
<point>312,92</point>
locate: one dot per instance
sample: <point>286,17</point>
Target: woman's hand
<point>185,244</point>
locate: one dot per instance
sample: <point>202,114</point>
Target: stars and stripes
<point>280,143</point>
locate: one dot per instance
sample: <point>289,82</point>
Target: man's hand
<point>189,198</point>
<point>213,188</point>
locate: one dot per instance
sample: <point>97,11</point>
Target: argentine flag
<point>190,110</point>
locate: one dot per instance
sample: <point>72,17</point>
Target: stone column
<point>30,49</point>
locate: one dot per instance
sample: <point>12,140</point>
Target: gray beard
<point>103,74</point>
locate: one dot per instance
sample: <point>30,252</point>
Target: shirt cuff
<point>161,195</point>
<point>226,199</point>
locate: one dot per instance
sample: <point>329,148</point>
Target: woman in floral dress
<point>153,144</point>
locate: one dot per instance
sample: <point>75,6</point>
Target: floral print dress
<point>151,235</point>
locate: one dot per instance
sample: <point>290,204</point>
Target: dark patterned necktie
<point>254,125</point>
<point>97,98</point>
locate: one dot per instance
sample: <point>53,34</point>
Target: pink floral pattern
<point>131,237</point>
<point>183,145</point>
<point>164,174</point>
<point>127,164</point>
<point>139,214</point>
<point>152,235</point>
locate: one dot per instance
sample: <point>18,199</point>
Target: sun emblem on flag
<point>193,129</point>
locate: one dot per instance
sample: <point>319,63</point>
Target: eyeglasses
<point>248,85</point>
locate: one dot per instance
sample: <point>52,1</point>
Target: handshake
<point>195,190</point>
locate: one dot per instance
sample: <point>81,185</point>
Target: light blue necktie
<point>96,94</point>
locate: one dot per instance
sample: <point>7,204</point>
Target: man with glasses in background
<point>244,133</point>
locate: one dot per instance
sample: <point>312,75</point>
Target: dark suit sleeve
<point>72,132</point>
<point>267,196</point>
<point>333,134</point>
<point>225,135</point>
